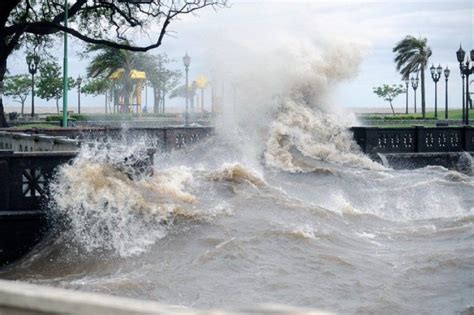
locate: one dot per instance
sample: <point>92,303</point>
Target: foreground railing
<point>23,298</point>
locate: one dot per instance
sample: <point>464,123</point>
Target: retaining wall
<point>373,140</point>
<point>23,142</point>
<point>163,138</point>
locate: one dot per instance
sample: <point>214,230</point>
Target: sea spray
<point>106,209</point>
<point>281,101</point>
<point>237,173</point>
<point>314,134</point>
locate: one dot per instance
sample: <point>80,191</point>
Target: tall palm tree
<point>412,55</point>
<point>107,60</point>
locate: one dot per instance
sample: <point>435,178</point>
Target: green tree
<point>161,79</point>
<point>106,60</point>
<point>389,93</point>
<point>18,87</point>
<point>37,22</point>
<point>412,55</point>
<point>50,82</point>
<point>96,87</point>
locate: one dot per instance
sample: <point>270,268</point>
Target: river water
<point>279,207</point>
<point>208,231</point>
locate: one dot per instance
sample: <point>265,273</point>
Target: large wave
<point>282,102</point>
<point>301,136</point>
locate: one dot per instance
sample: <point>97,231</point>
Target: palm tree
<point>412,55</point>
<point>107,60</point>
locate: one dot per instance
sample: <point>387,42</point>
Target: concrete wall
<point>22,142</point>
<point>162,138</point>
<point>373,140</point>
<point>21,298</point>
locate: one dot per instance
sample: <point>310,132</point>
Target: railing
<point>22,142</point>
<point>28,163</point>
<point>24,178</point>
<point>24,298</point>
<point>417,139</point>
<point>165,138</point>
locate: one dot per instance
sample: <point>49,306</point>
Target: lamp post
<point>79,82</point>
<point>446,75</point>
<point>33,62</point>
<point>187,62</point>
<point>435,75</point>
<point>463,99</point>
<point>65,64</point>
<point>407,82</point>
<point>465,70</point>
<point>414,85</point>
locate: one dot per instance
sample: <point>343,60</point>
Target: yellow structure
<point>202,82</point>
<point>135,98</point>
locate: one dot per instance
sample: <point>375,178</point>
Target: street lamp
<point>465,70</point>
<point>407,82</point>
<point>446,75</point>
<point>65,65</point>
<point>187,62</point>
<point>435,75</point>
<point>414,85</point>
<point>79,82</point>
<point>33,62</point>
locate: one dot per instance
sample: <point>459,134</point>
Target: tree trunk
<point>126,97</point>
<point>22,107</point>
<point>423,104</point>
<point>3,70</point>
<point>391,106</point>
<point>163,100</point>
<point>156,100</point>
<point>57,105</point>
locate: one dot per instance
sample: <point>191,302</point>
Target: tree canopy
<point>162,79</point>
<point>50,82</point>
<point>411,55</point>
<point>106,60</point>
<point>18,87</point>
<point>106,22</point>
<point>389,93</point>
<point>96,86</point>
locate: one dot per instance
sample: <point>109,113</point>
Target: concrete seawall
<point>19,298</point>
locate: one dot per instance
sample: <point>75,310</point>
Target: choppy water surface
<point>280,207</point>
<point>215,234</point>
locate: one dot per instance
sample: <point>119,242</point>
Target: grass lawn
<point>452,114</point>
<point>39,126</point>
<point>410,120</point>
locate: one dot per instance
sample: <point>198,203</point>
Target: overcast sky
<point>374,25</point>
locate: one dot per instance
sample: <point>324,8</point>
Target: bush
<point>370,117</point>
<point>54,118</point>
<point>404,117</point>
<point>86,117</point>
<point>407,117</point>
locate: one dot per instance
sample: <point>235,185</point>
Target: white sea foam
<point>106,209</point>
<point>281,101</point>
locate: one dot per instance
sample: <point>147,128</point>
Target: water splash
<point>314,134</point>
<point>106,209</point>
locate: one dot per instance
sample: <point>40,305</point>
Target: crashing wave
<point>298,130</point>
<point>237,173</point>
